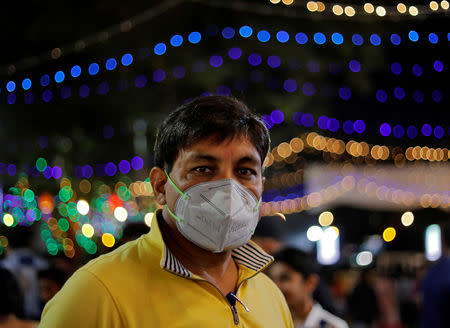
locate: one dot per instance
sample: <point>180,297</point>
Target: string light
<point>353,148</point>
<point>413,11</point>
<point>349,11</point>
<point>127,59</point>
<point>369,8</point>
<point>401,8</point>
<point>381,11</point>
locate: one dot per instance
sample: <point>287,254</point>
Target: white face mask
<point>216,215</point>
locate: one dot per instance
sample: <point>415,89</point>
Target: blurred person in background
<point>362,302</point>
<point>24,263</point>
<point>11,304</point>
<point>133,231</point>
<point>387,298</point>
<point>296,274</point>
<point>51,281</point>
<point>269,234</point>
<point>436,287</point>
<point>197,266</point>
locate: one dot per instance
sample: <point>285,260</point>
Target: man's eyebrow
<point>201,157</point>
<point>250,160</point>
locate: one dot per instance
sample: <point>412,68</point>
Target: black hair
<point>270,226</point>
<point>20,236</point>
<point>53,274</point>
<point>134,230</point>
<point>11,301</point>
<point>298,260</point>
<point>218,116</point>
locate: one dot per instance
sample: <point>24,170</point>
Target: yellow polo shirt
<point>141,284</point>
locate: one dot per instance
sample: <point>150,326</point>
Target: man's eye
<point>246,172</point>
<point>202,169</point>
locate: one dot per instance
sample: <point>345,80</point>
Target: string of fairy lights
<point>312,6</point>
<point>403,197</point>
<point>228,33</point>
<point>401,9</point>
<point>289,85</point>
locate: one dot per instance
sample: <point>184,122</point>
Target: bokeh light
<point>194,37</point>
<point>126,60</point>
<point>326,218</point>
<point>83,207</point>
<point>245,31</point>
<point>389,234</point>
<point>301,38</point>
<point>108,240</point>
<point>357,39</point>
<point>87,230</point>
<point>282,36</point>
<point>8,219</point>
<point>319,38</point>
<point>120,214</point>
<point>111,64</point>
<point>364,258</point>
<point>407,219</point>
<point>75,71</point>
<point>263,36</point>
<point>314,233</point>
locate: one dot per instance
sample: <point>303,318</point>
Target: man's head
<point>208,139</point>
<point>269,234</point>
<point>213,116</point>
<point>295,273</point>
<point>50,282</point>
<point>11,301</point>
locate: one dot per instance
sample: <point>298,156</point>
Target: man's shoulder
<point>263,284</point>
<point>133,256</point>
<point>262,279</point>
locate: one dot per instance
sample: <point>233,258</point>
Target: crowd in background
<point>372,297</point>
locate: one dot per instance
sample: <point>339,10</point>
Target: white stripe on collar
<point>247,255</point>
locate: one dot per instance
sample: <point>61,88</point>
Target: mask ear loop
<point>257,205</point>
<point>256,209</point>
<point>185,197</point>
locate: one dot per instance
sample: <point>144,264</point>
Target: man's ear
<point>311,282</point>
<point>158,179</point>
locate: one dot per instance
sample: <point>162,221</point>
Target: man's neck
<point>216,268</point>
<point>301,312</point>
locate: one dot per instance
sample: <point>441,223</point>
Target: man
<point>196,266</point>
<point>269,234</point>
<point>51,281</point>
<point>24,263</point>
<point>11,303</point>
<point>295,273</point>
<point>436,287</point>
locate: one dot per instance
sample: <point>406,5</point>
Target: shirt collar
<point>250,255</point>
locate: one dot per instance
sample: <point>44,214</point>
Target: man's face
<point>209,160</point>
<point>295,288</point>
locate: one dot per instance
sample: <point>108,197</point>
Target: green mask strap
<point>174,215</point>
<point>255,209</point>
<point>186,197</point>
<point>257,205</point>
<point>180,192</point>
